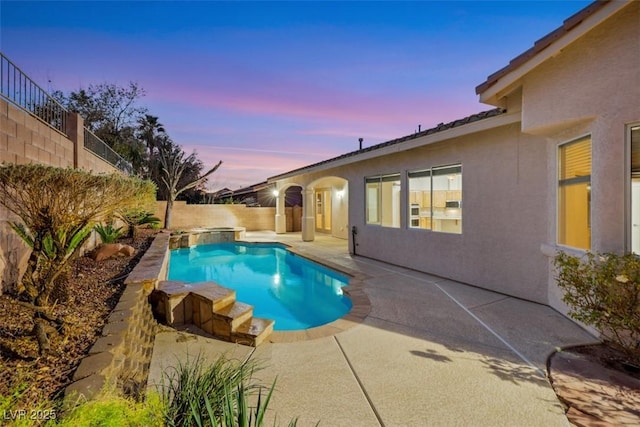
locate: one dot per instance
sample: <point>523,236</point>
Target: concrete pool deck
<point>431,352</point>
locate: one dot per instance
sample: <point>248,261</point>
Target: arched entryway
<point>289,200</point>
<point>325,207</point>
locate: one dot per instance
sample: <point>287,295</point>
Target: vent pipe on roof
<point>419,127</point>
<point>360,141</point>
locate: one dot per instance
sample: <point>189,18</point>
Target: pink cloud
<point>241,168</point>
<point>295,100</point>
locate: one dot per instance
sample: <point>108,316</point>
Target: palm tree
<point>149,129</point>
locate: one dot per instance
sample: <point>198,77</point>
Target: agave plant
<point>108,233</point>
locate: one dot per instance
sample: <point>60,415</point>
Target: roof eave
<point>501,119</point>
<point>509,78</point>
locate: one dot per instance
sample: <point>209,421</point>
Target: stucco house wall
<point>582,79</point>
<point>504,201</point>
<point>592,87</point>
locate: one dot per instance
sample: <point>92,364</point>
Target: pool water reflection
<point>294,291</point>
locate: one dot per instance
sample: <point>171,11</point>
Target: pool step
<point>227,319</point>
<point>212,308</point>
<point>253,332</point>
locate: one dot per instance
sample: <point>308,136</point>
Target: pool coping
<point>360,303</point>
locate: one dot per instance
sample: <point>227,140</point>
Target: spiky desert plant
<point>135,217</point>
<point>56,210</point>
<point>108,232</point>
<point>199,393</point>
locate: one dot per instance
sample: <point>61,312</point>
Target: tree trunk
<point>39,281</point>
<point>41,335</point>
<point>31,275</point>
<point>131,230</point>
<point>167,213</point>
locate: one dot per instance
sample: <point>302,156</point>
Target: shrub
<point>603,290</point>
<point>137,217</point>
<point>115,410</point>
<point>56,210</point>
<point>222,394</point>
<point>108,233</point>
<point>197,394</point>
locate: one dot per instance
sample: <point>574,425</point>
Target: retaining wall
<point>121,356</point>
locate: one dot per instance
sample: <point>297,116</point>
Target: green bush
<point>193,389</point>
<point>603,290</point>
<point>108,233</point>
<point>219,394</point>
<point>113,410</point>
<point>135,217</point>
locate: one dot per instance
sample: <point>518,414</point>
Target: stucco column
<point>281,215</point>
<point>308,221</point>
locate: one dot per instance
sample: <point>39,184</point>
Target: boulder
<point>127,250</point>
<point>108,250</point>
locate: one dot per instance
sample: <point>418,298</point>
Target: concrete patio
<point>431,352</point>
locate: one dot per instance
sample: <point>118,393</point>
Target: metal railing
<point>102,150</point>
<point>19,89</point>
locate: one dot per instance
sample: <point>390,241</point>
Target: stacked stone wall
<point>120,357</point>
<point>25,139</point>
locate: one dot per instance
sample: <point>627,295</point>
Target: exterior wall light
<point>275,193</point>
<point>340,194</point>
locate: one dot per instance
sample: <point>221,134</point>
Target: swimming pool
<point>293,291</point>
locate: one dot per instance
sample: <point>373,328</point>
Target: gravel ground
<point>84,302</point>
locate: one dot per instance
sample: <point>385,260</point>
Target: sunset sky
<point>268,87</point>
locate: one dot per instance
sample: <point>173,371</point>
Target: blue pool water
<point>293,291</point>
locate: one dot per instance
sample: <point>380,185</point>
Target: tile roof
<point>542,44</point>
<point>440,128</point>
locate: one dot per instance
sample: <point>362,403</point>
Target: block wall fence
<point>251,218</point>
<point>26,139</point>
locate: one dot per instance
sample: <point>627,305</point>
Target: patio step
<point>219,296</point>
<point>227,319</point>
<point>253,332</point>
<point>212,308</point>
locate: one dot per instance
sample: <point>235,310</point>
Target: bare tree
<point>174,163</point>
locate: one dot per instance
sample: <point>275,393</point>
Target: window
<point>383,200</point>
<point>634,137</point>
<point>574,194</point>
<point>435,199</point>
